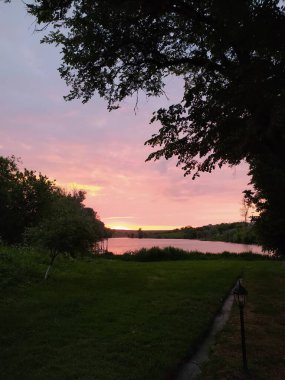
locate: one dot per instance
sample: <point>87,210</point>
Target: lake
<point>121,245</point>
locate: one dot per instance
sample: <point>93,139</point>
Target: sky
<point>84,146</point>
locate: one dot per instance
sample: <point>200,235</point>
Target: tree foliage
<point>238,232</point>
<point>24,199</point>
<point>69,227</point>
<point>268,180</point>
<point>231,55</point>
<point>34,209</point>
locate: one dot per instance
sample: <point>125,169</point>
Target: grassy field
<point>265,329</point>
<point>114,320</point>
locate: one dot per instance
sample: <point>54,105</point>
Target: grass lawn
<point>265,329</point>
<point>114,320</point>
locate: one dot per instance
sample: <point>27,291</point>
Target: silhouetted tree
<point>33,208</point>
<point>246,204</point>
<point>268,180</point>
<point>140,233</point>
<point>230,54</point>
<point>69,228</point>
<point>25,199</point>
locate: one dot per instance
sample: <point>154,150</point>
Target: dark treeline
<point>229,232</point>
<point>238,232</point>
<point>34,211</point>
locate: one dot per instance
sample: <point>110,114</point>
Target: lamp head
<point>240,294</point>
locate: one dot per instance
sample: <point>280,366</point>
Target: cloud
<point>119,217</point>
<point>92,149</point>
<point>93,190</point>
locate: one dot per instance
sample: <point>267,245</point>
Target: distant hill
<point>238,232</point>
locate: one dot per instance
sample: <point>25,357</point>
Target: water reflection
<point>121,245</point>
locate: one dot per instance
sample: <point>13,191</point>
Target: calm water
<point>122,245</point>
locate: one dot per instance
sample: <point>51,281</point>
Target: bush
<point>171,253</point>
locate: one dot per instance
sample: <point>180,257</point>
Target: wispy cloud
<point>85,147</point>
<point>93,190</point>
<point>119,217</point>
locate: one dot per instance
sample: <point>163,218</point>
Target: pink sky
<point>87,147</point>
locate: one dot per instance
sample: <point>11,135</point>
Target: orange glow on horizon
<point>144,228</point>
<point>117,227</point>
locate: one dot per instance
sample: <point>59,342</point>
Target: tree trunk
<point>53,256</point>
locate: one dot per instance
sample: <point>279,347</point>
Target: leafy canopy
<point>35,210</point>
<point>25,199</point>
<point>70,227</point>
<point>230,53</point>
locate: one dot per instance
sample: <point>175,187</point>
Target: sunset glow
<point>91,190</point>
<point>144,228</point>
<point>115,227</point>
<point>86,147</point>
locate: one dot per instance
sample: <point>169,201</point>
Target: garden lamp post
<point>240,297</point>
